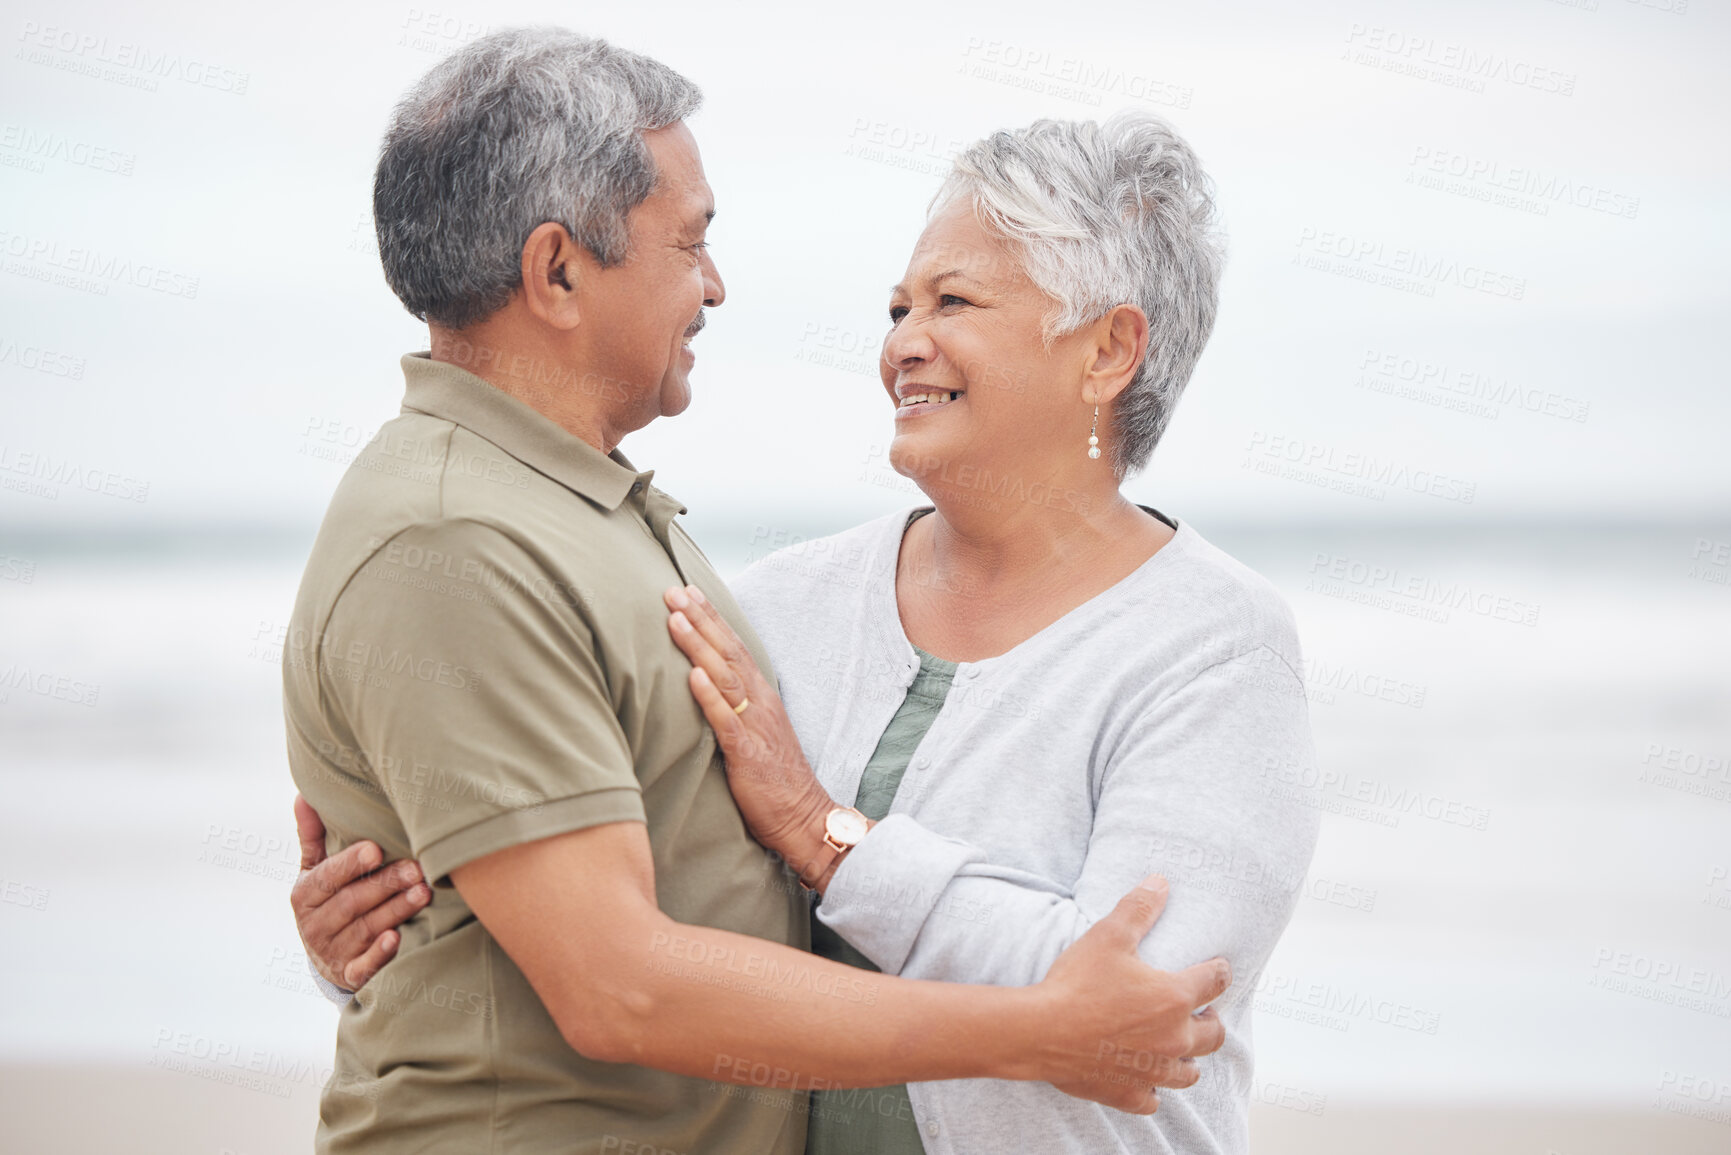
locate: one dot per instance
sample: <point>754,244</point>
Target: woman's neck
<point>972,581</point>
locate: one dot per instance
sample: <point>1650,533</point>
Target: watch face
<point>845,826</point>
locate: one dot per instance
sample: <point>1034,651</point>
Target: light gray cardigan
<point>1156,728</point>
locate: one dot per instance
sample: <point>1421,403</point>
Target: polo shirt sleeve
<point>470,682</point>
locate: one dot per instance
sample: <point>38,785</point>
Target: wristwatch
<point>843,828</point>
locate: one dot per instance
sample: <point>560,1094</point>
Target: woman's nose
<point>908,344</point>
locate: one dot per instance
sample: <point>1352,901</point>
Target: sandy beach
<point>91,1110</point>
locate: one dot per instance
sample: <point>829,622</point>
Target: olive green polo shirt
<point>479,658</point>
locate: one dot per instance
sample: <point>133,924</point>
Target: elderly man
<point>479,676</point>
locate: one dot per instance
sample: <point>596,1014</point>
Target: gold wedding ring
<point>743,703</point>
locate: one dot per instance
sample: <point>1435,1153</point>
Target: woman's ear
<point>1120,343</point>
<point>552,270</point>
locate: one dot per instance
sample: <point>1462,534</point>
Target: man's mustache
<point>696,325</point>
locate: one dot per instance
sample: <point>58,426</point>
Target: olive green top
<point>878,1120</point>
<point>479,658</point>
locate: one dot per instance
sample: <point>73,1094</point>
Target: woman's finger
<point>722,719</point>
<point>716,631</point>
<point>345,940</point>
<point>310,830</point>
<point>706,657</point>
<point>326,880</point>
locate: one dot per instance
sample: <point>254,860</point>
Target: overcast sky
<point>1563,165</point>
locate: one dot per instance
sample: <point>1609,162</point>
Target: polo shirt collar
<point>440,389</point>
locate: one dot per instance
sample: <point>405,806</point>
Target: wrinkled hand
<point>1136,1028</point>
<point>345,908</point>
<point>772,782</point>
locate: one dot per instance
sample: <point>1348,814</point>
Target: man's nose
<point>714,292</point>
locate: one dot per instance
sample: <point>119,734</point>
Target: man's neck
<point>532,374</point>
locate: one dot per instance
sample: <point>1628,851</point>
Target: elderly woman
<point>998,711</point>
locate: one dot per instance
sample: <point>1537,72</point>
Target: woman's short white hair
<point>1106,215</point>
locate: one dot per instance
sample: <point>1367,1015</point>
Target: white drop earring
<point>1094,436</point>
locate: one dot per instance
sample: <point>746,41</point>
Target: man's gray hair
<point>512,130</point>
<point>1106,215</point>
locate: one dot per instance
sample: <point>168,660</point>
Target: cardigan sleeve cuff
<point>331,991</point>
<point>888,886</point>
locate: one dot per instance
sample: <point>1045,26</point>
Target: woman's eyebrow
<point>933,280</point>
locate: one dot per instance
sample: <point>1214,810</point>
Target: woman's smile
<point>917,400</point>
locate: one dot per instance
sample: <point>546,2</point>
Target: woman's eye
<point>945,300</point>
<point>897,312</point>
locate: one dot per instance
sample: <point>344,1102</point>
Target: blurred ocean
<point>1521,893</point>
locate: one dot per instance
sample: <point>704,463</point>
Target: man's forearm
<point>627,984</point>
<point>739,1009</point>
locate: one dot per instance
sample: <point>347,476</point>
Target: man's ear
<point>553,266</point>
<point>1115,354</point>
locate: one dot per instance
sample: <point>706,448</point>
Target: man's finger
<point>1128,1098</point>
<point>311,830</point>
<point>326,880</point>
<point>1179,1073</point>
<point>1205,982</point>
<point>1135,914</point>
<point>1208,1034</point>
<point>360,970</point>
